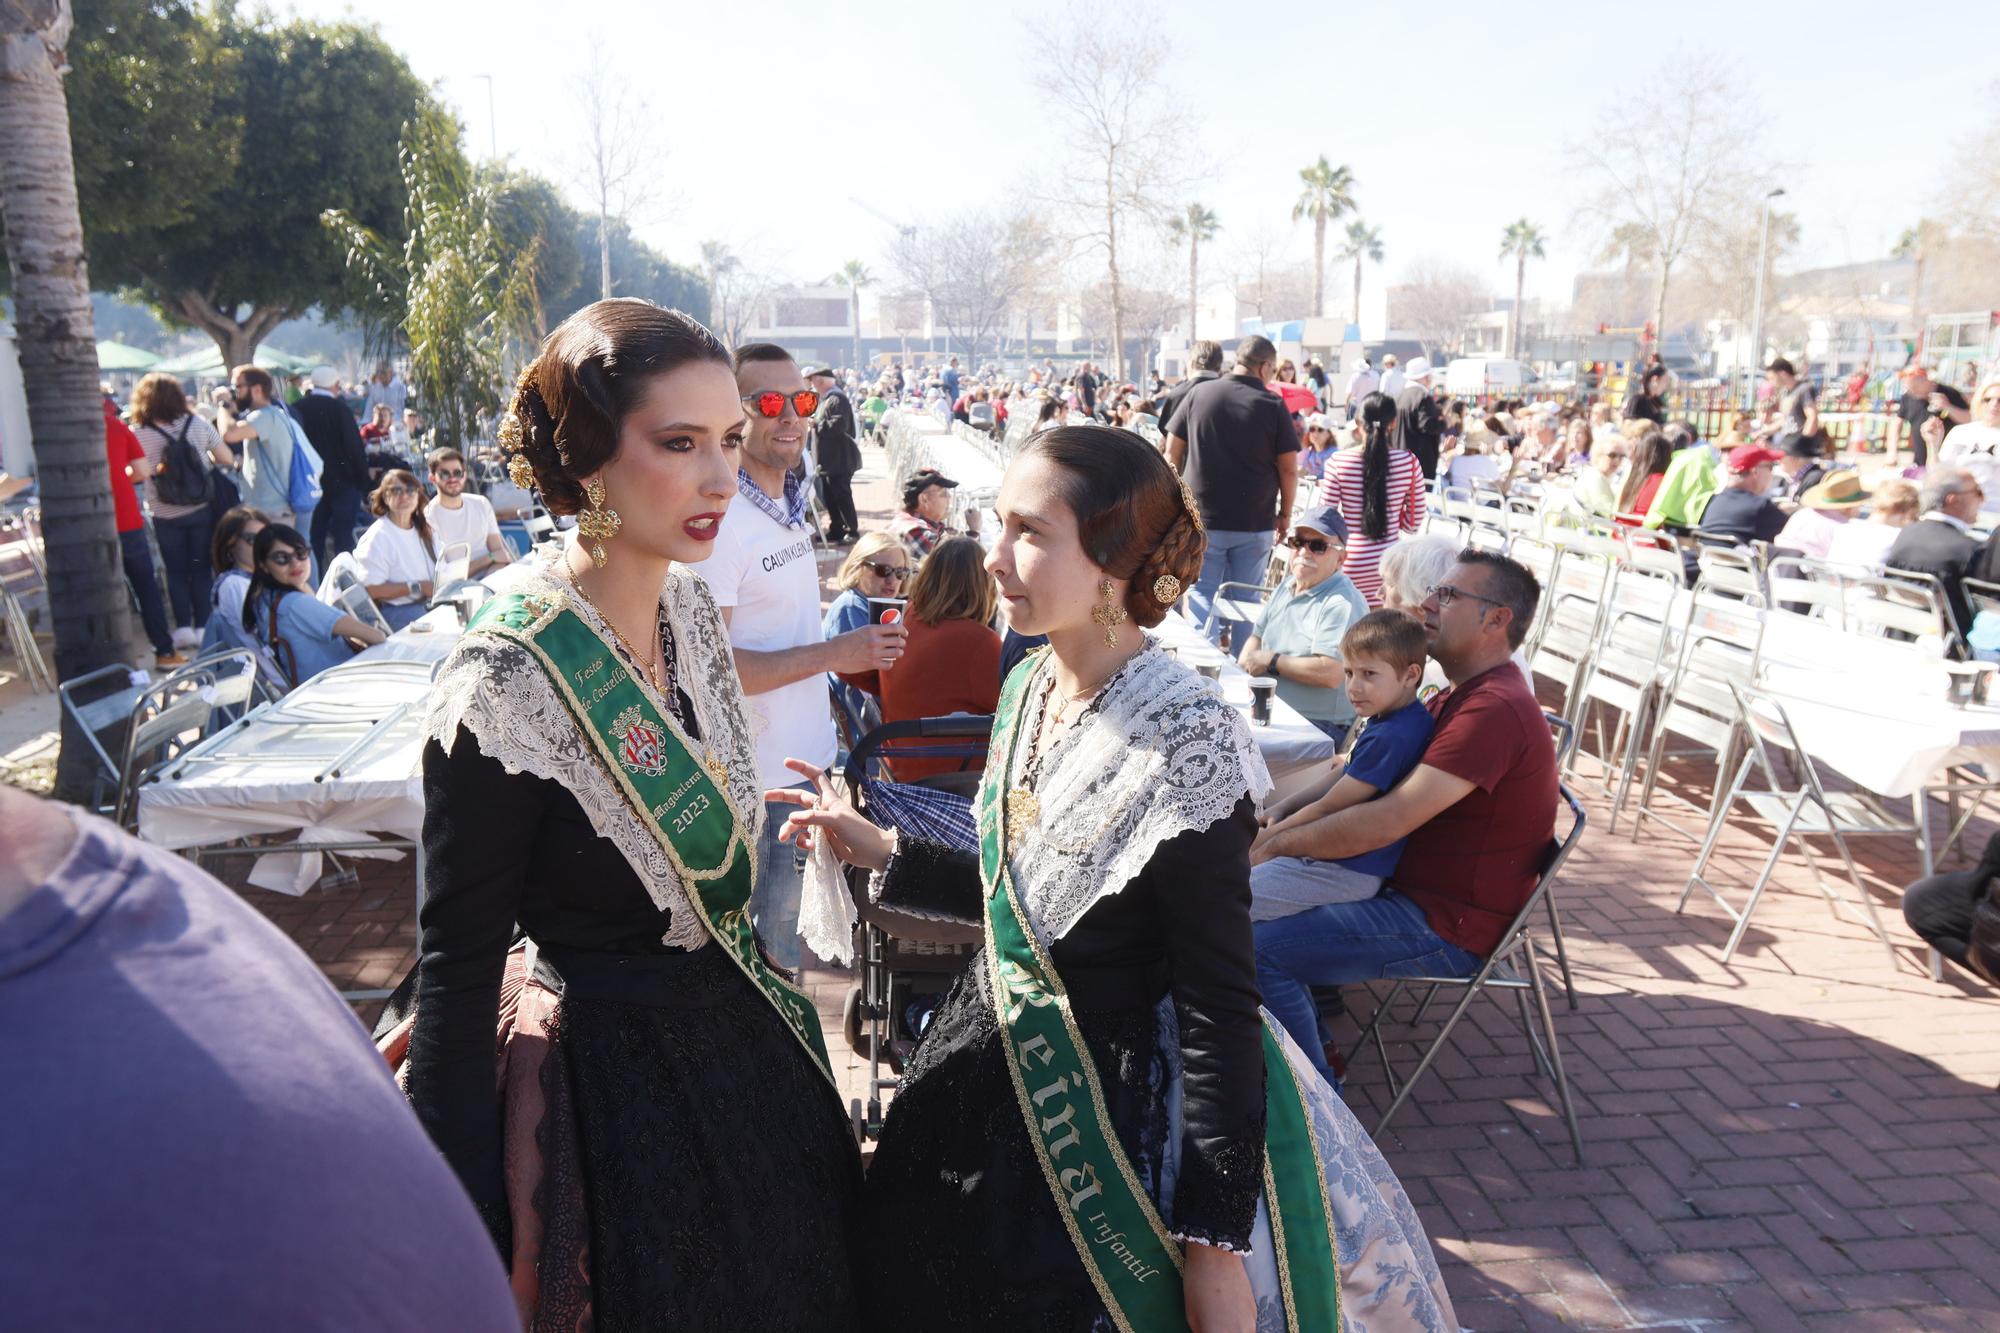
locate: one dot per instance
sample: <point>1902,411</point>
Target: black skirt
<point>963,1233</point>
<point>719,1172</point>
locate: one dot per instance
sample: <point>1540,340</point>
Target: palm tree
<point>1362,242</point>
<point>1329,193</point>
<point>717,262</point>
<point>1523,240</point>
<point>51,291</point>
<point>856,275</point>
<point>1194,224</point>
<point>1914,244</point>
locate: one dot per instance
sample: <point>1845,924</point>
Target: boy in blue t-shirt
<point>1383,658</point>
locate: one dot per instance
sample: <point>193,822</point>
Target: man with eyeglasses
<point>456,516</point>
<point>1297,635</point>
<point>766,581</point>
<point>1476,815</point>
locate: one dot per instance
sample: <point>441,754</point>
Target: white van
<point>1471,376</point>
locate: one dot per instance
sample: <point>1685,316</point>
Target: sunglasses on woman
<point>1317,545</point>
<point>286,559</point>
<point>886,571</point>
<point>770,404</point>
<point>397,490</point>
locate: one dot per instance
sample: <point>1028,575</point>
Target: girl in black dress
<point>663,1146</point>
<point>1123,818</point>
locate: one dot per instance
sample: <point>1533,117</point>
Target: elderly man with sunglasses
<point>1297,636</point>
<point>1476,816</point>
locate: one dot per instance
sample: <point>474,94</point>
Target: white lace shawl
<point>493,689</point>
<point>1162,754</point>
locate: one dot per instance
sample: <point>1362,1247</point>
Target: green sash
<point>1117,1231</point>
<point>675,796</point>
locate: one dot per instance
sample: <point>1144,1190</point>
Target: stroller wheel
<point>850,1024</point>
<point>857,1120</point>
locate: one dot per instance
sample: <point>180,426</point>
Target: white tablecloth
<point>1294,749</point>
<point>429,638</point>
<point>268,773</point>
<point>1888,737</point>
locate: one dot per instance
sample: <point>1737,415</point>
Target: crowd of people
<point>626,767</point>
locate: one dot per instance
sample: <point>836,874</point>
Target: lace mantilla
<point>1163,754</point>
<point>492,688</point>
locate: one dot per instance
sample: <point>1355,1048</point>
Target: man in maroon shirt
<point>1477,813</point>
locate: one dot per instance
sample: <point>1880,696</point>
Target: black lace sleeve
<point>480,823</point>
<point>927,879</point>
<point>1202,891</point>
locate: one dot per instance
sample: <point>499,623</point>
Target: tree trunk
<point>1916,298</point>
<point>1319,269</point>
<point>854,306</point>
<point>1357,293</point>
<point>237,339</point>
<point>1194,287</point>
<point>604,254</point>
<point>57,340</point>
<point>1660,308</point>
<point>1520,281</point>
<point>1117,289</point>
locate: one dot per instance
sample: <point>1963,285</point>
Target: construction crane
<point>903,229</point>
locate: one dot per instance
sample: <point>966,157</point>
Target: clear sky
<point>1452,115</point>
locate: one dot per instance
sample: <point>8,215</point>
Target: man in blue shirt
<point>1297,637</point>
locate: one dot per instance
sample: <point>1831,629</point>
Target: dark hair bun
<point>570,403</point>
<point>1177,556</point>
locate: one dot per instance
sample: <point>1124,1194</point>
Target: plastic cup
<point>1261,690</point>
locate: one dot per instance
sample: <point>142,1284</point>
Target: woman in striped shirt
<point>1379,490</point>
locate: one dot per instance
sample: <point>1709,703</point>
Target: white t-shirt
<point>389,554</point>
<point>767,573</point>
<point>1975,446</point>
<point>1862,543</point>
<point>472,523</point>
<point>1392,381</point>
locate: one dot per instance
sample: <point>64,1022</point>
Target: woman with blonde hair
<point>877,566</point>
<point>951,663</point>
<point>1863,543</point>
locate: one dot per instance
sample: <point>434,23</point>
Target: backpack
<point>303,490</point>
<point>182,477</point>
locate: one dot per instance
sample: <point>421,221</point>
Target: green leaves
<point>459,289</point>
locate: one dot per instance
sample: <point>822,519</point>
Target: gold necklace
<point>1024,808</point>
<point>645,663</point>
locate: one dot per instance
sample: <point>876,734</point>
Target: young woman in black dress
<point>663,1146</point>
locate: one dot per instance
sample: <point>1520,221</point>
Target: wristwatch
<point>413,588</point>
<point>1271,667</point>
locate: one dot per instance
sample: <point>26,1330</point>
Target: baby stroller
<point>906,961</point>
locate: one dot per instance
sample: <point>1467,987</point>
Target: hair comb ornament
<point>1166,590</point>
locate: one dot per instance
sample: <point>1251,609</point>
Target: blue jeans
<point>1231,557</point>
<point>1337,730</point>
<point>184,552</point>
<point>1383,936</point>
<point>399,614</point>
<point>138,557</point>
<point>774,902</point>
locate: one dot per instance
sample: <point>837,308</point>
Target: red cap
<point>1746,456</point>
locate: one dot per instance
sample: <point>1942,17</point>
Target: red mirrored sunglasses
<point>770,404</point>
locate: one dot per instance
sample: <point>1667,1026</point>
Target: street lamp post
<point>1757,307</point>
<point>492,124</point>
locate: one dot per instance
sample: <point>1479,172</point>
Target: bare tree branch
<point>618,161</point>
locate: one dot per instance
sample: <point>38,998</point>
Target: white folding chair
<point>1720,643</point>
<point>1628,665</point>
<point>1512,965</point>
<point>345,586</point>
<point>1806,811</point>
<point>1900,605</point>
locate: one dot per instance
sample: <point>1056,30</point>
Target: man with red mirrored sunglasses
<point>837,454</point>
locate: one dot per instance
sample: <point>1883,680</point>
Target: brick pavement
<point>1805,1139</point>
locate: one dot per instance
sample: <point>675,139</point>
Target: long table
<point>1296,751</point>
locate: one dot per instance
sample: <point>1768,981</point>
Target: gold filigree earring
<point>597,523</point>
<point>1108,613</point>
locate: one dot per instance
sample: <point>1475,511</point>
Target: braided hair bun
<point>1133,515</point>
<point>570,404</point>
